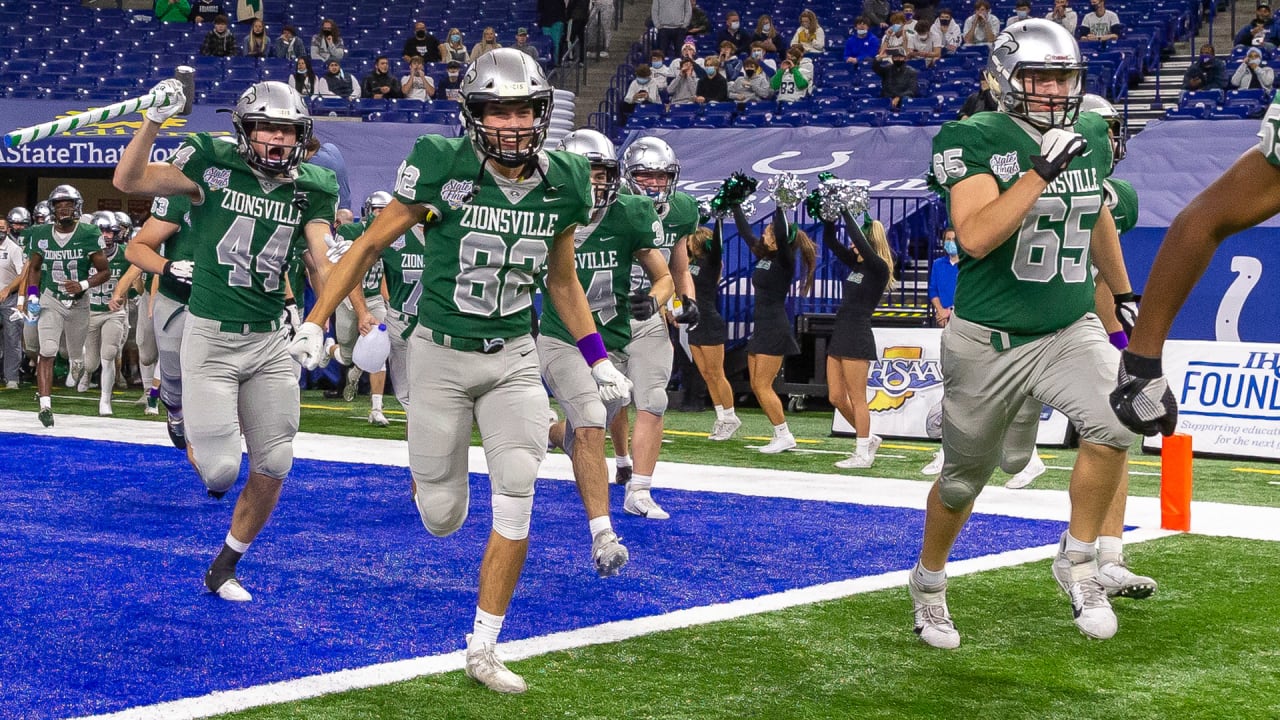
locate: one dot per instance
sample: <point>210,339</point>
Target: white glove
<point>180,270</point>
<point>1058,147</point>
<point>338,246</point>
<point>20,314</point>
<point>162,111</point>
<point>308,345</point>
<point>613,385</point>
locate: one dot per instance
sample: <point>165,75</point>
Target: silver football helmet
<point>601,153</point>
<point>1036,46</point>
<point>63,193</point>
<point>277,103</point>
<point>1115,122</point>
<point>506,75</point>
<point>19,220</point>
<point>105,221</point>
<point>126,226</point>
<point>651,155</point>
<point>42,213</point>
<point>376,201</point>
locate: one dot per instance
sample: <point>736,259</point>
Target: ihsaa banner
<point>1228,396</point>
<point>904,390</point>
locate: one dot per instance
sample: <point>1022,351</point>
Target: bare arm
<point>680,276</point>
<point>103,274</point>
<point>563,288</point>
<point>144,249</point>
<point>659,275</point>
<point>320,269</point>
<point>984,217</point>
<point>134,174</point>
<point>131,279</point>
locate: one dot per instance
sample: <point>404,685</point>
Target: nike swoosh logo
<point>526,352</point>
<point>546,199</point>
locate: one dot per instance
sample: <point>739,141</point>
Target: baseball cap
<point>1264,4</point>
<point>522,31</point>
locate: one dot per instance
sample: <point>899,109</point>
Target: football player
<point>623,229</point>
<point>1023,322</point>
<point>108,318</point>
<point>362,311</point>
<point>402,264</point>
<point>498,211</point>
<point>64,259</point>
<point>251,203</point>
<point>12,263</point>
<point>650,169</point>
<point>42,213</point>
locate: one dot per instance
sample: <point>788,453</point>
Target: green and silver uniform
<point>1120,196</point>
<point>650,352</point>
<point>63,257</point>
<point>402,263</point>
<point>107,328</point>
<point>235,362</point>
<point>1023,323</point>
<point>603,254</point>
<point>346,325</point>
<point>169,315</point>
<point>1268,132</point>
<point>488,239</point>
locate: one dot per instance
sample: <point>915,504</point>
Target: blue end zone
<point>104,547</point>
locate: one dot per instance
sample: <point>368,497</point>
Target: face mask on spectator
<point>734,26</point>
<point>862,33</point>
<point>421,34</point>
<point>655,63</point>
<point>1254,61</point>
<point>643,81</point>
<point>757,54</point>
<point>950,247</point>
<point>909,15</point>
<point>453,76</point>
<point>455,38</point>
<point>766,27</point>
<point>896,27</point>
<point>1206,59</point>
<point>944,21</point>
<point>1022,13</point>
<point>750,72</point>
<point>713,68</point>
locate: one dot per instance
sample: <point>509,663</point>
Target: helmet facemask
<point>1025,58</point>
<point>508,146</point>
<point>512,81</point>
<point>62,214</point>
<point>1044,111</point>
<point>272,103</point>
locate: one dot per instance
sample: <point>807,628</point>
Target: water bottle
<point>371,351</point>
<point>33,309</point>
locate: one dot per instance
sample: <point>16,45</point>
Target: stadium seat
<point>1192,112</point>
<point>330,106</point>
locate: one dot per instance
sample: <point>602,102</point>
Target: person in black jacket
<point>421,43</point>
<point>220,42</point>
<point>707,338</point>
<point>773,336</point>
<point>853,344</point>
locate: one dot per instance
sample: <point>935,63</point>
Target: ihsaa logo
<point>1005,166</point>
<point>216,178</point>
<point>900,373</point>
<point>456,193</point>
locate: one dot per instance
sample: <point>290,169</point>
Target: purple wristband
<point>33,290</point>
<point>1118,339</point>
<point>592,348</point>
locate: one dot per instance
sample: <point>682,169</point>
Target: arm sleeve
<point>786,249</point>
<point>744,230</point>
<point>831,239</point>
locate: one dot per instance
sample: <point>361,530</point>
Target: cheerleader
<point>706,339</point>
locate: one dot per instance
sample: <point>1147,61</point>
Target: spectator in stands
<point>422,44</point>
<point>671,18</point>
<point>379,84</point>
<point>897,78</point>
<point>981,28</point>
<point>599,31</point>
<point>699,23</point>
<point>488,41</point>
<point>205,10</point>
<point>980,101</point>
<point>810,36</point>
<point>417,85</point>
<point>733,33</point>
<point>683,88</point>
<point>1251,73</point>
<point>766,35</point>
<point>173,10</point>
<point>688,51</point>
<point>1021,11</point>
<point>876,11</point>
<point>448,88</point>
<point>661,73</point>
<point>946,32</point>
<point>528,48</point>
<point>752,85</point>
<point>942,279</point>
<point>578,11</point>
<point>327,44</point>
<point>551,18</point>
<point>304,78</point>
<point>895,36</point>
<point>730,65</point>
<point>1063,15</point>
<point>257,44</point>
<point>220,41</point>
<point>642,90</point>
<point>1206,73</point>
<point>794,79</point>
<point>714,86</point>
<point>767,65</point>
<point>862,46</point>
<point>1102,24</point>
<point>1260,32</point>
<point>337,83</point>
<point>921,43</point>
<point>288,46</point>
<point>453,48</point>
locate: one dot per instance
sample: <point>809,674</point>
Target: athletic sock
<point>108,380</point>
<point>623,461</point>
<point>46,402</point>
<point>377,401</point>
<point>640,482</point>
<point>1110,549</point>
<point>720,414</point>
<point>780,430</point>
<point>486,628</point>
<point>729,413</point>
<point>928,578</point>
<point>148,373</point>
<point>601,523</point>
<point>1079,551</point>
<point>863,446</point>
<point>154,392</point>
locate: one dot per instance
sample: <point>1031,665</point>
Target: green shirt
<point>1269,133</point>
<point>680,220</point>
<point>101,295</point>
<point>1123,201</point>
<point>487,240</point>
<point>64,260</point>
<point>402,263</point>
<point>603,254</point>
<point>372,283</point>
<point>245,229</point>
<point>1038,280</point>
<point>178,246</point>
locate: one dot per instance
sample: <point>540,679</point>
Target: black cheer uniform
<point>852,337</point>
<point>705,270</point>
<point>773,333</point>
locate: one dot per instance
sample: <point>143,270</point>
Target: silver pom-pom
<point>704,209</point>
<point>748,209</point>
<point>837,196</point>
<point>788,190</point>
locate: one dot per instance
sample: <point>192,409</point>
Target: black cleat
<point>177,432</point>
<point>623,477</point>
<point>46,417</point>
<point>217,495</point>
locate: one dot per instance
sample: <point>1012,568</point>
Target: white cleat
<point>104,406</point>
<point>377,418</point>
<point>484,666</point>
<point>640,502</point>
<point>353,384</point>
<point>779,443</point>
<point>608,553</point>
<point>232,591</point>
<point>933,620</point>
<point>1034,469</point>
<point>856,460</point>
<point>724,429</point>
<point>935,465</point>
<point>1119,581</point>
<point>1089,604</point>
<point>76,374</point>
<point>83,385</point>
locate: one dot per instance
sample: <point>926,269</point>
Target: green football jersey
<point>64,259</point>
<point>603,254</point>
<point>246,228</point>
<point>1038,280</point>
<point>178,246</point>
<point>680,220</point>
<point>372,283</point>
<point>101,295</point>
<point>402,263</point>
<point>1269,133</point>
<point>488,237</point>
<point>1123,201</point>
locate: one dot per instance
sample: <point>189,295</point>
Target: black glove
<point>179,270</point>
<point>1058,148</point>
<point>1127,311</point>
<point>688,311</point>
<point>1142,399</point>
<point>643,305</point>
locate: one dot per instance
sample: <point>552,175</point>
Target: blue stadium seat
<point>830,118</point>
<point>1234,112</point>
<point>368,105</point>
<point>1201,97</point>
<point>873,118</point>
<point>330,106</point>
<point>1191,112</point>
<point>408,105</point>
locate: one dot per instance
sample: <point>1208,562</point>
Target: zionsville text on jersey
<point>1074,181</point>
<point>524,223</point>
<point>260,207</point>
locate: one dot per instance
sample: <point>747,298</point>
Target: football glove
<point>292,319</point>
<point>688,311</point>
<point>1058,148</point>
<point>308,346</point>
<point>20,314</point>
<point>1142,399</point>
<point>338,246</point>
<point>1127,311</point>
<point>613,385</point>
<point>180,270</point>
<point>643,305</point>
<point>177,97</point>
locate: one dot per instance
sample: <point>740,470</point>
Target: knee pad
<point>148,355</point>
<point>957,494</point>
<point>109,353</point>
<point>1014,461</point>
<point>48,348</point>
<point>653,401</point>
<point>219,473</point>
<point>442,512</point>
<point>511,516</point>
<point>275,461</point>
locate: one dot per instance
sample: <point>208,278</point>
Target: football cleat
<point>1119,581</point>
<point>153,405</point>
<point>77,372</point>
<point>83,384</point>
<point>177,432</point>
<point>353,383</point>
<point>11,385</point>
<point>1089,604</point>
<point>724,429</point>
<point>104,406</point>
<point>623,476</point>
<point>484,666</point>
<point>608,553</point>
<point>640,502</point>
<point>376,417</point>
<point>856,460</point>
<point>932,618</point>
<point>1034,469</point>
<point>228,589</point>
<point>779,443</point>
<point>935,465</point>
<point>46,417</point>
